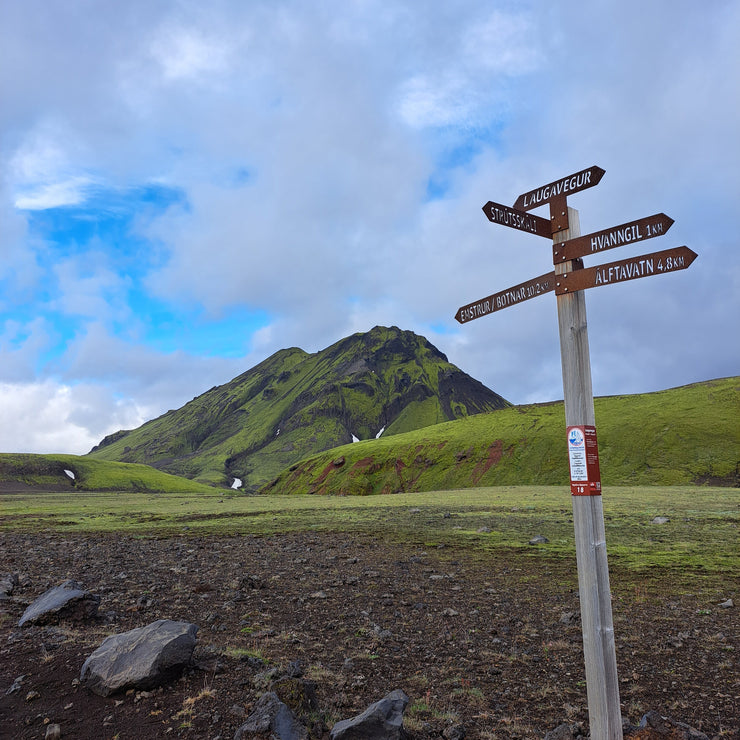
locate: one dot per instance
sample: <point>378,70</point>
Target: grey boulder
<point>142,658</point>
<point>380,721</point>
<point>66,601</point>
<point>271,718</point>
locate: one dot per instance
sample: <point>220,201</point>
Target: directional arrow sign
<point>669,260</point>
<point>500,214</point>
<point>522,292</point>
<point>563,187</point>
<point>617,236</point>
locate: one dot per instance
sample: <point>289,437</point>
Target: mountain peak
<point>295,404</point>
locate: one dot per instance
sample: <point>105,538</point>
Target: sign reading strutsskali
<point>560,188</point>
<point>506,216</point>
<point>669,260</point>
<point>505,298</point>
<point>617,236</point>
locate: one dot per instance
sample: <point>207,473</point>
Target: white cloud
<point>43,172</point>
<point>71,192</point>
<point>186,53</point>
<point>44,417</point>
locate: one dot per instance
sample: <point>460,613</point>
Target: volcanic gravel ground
<point>492,643</point>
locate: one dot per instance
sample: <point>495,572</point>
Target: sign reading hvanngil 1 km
<point>617,236</point>
<point>510,297</point>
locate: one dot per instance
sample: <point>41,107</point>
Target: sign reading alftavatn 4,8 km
<point>569,280</point>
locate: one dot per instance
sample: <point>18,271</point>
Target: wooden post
<point>602,685</point>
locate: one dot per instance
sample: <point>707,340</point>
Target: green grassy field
<point>701,536</point>
<point>48,471</point>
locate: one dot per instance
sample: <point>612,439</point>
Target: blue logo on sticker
<point>575,438</point>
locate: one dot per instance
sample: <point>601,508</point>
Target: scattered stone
<point>318,595</point>
<point>53,732</point>
<point>298,694</point>
<point>450,613</point>
<point>569,618</point>
<point>295,669</point>
<point>660,520</point>
<point>66,601</point>
<point>454,732</point>
<point>142,658</point>
<point>31,695</point>
<point>484,530</point>
<point>539,540</point>
<point>561,732</point>
<point>7,584</point>
<point>665,727</point>
<point>727,604</point>
<point>207,661</point>
<point>380,721</point>
<point>16,685</point>
<point>272,718</point>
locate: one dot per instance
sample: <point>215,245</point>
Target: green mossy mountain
<point>295,404</point>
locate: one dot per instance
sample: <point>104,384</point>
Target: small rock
<point>668,728</point>
<point>539,540</point>
<point>380,721</point>
<point>660,520</point>
<point>295,669</point>
<point>318,595</point>
<point>271,718</point>
<point>68,600</point>
<point>7,585</point>
<point>454,732</point>
<point>484,530</point>
<point>16,685</point>
<point>727,604</point>
<point>53,732</point>
<point>561,732</point>
<point>296,693</point>
<point>450,613</point>
<point>31,695</point>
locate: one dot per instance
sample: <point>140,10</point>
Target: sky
<point>188,187</point>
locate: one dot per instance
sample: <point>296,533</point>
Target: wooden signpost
<point>569,280</point>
